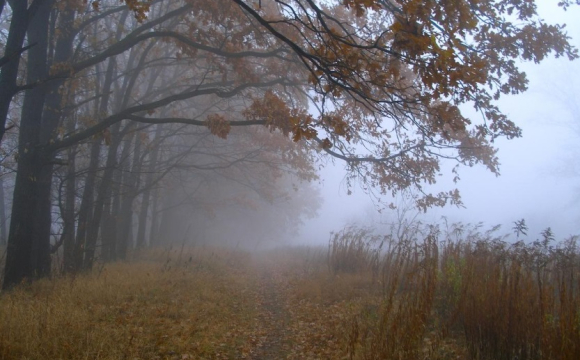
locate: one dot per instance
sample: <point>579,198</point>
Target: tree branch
<point>187,121</point>
<point>351,159</point>
<point>128,113</point>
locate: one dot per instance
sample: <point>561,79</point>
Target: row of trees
<point>115,102</point>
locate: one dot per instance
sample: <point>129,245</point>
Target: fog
<point>176,157</point>
<point>160,161</point>
<point>539,171</point>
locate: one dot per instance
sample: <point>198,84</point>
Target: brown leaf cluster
<point>218,125</point>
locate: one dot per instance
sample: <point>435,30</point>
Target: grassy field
<point>420,293</point>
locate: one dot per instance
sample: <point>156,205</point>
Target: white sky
<point>540,172</point>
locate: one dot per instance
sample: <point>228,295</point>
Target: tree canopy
<point>381,85</point>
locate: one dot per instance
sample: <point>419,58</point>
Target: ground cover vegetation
<point>129,123</point>
<point>439,292</point>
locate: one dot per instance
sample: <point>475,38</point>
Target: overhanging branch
<point>351,159</point>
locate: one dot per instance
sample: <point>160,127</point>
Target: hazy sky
<point>540,172</point>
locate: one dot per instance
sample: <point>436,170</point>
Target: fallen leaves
<point>220,305</point>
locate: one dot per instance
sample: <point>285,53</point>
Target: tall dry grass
<point>521,301</point>
<point>459,291</point>
<point>354,249</point>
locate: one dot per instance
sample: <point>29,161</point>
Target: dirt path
<point>273,318</point>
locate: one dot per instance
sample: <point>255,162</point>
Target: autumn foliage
<point>377,69</point>
<point>380,85</point>
<point>372,70</point>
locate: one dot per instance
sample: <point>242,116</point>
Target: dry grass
<point>521,301</point>
<point>459,292</point>
<point>428,292</point>
<point>353,250</point>
<point>143,310</point>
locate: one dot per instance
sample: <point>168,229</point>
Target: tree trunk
<point>12,53</point>
<point>108,201</point>
<point>102,209</point>
<point>107,231</point>
<point>130,184</point>
<point>115,210</point>
<point>53,113</point>
<point>3,219</point>
<point>28,250</point>
<point>87,205</point>
<point>91,225</point>
<point>154,228</point>
<point>68,216</point>
<point>143,215</point>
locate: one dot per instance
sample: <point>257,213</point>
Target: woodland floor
<point>204,303</point>
<point>217,304</point>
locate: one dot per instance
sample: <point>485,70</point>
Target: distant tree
<point>252,187</point>
<point>386,80</point>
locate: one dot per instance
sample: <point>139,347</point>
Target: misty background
<point>228,196</point>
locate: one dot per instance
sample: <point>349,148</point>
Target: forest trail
<point>221,305</point>
<point>273,317</point>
